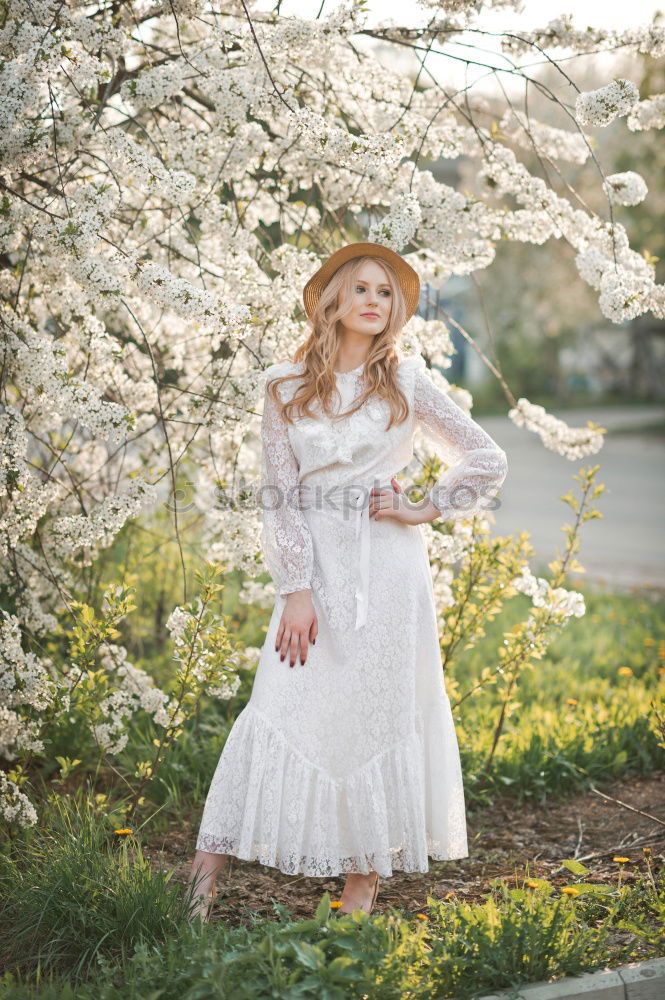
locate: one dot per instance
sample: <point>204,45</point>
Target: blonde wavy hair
<point>319,351</point>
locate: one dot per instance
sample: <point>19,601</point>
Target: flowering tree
<point>170,174</point>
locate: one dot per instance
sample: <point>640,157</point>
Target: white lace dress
<point>350,761</point>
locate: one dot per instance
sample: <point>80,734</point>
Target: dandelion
<point>649,641</point>
<point>647,851</point>
<point>570,890</point>
<point>621,862</point>
<point>422,916</point>
<point>123,833</point>
<point>572,701</point>
<point>625,672</point>
<point>336,903</point>
<point>532,883</point>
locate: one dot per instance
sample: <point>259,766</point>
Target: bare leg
<point>358,891</point>
<point>205,869</point>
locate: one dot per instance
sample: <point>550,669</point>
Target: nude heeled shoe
<point>371,905</point>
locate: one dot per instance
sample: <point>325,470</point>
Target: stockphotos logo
<point>302,496</point>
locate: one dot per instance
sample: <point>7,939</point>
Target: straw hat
<point>407,277</point>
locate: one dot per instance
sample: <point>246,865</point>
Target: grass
<point>84,917</point>
<point>75,890</point>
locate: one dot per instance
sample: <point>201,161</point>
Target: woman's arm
<point>285,536</point>
<point>477,466</point>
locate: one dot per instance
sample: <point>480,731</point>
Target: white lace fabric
<point>477,466</point>
<point>286,541</point>
<point>350,761</point>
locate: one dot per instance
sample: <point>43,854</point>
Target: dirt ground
<point>505,841</point>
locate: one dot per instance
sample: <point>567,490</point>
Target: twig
<point>580,827</point>
<point>626,806</point>
<point>263,58</point>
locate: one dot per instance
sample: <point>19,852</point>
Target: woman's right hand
<point>298,626</point>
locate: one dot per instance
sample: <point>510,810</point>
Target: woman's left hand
<point>385,501</point>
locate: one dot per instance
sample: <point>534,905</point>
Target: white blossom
<point>75,532</point>
<point>601,106</point>
<point>132,690</point>
<point>27,689</point>
<point>177,622</point>
<point>557,600</point>
<point>556,143</point>
<point>571,442</point>
<point>398,227</point>
<point>561,33</point>
<point>15,806</point>
<point>627,188</point>
<point>647,114</point>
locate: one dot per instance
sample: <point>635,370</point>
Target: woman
<point>345,759</point>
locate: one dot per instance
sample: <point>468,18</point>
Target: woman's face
<point>372,300</point>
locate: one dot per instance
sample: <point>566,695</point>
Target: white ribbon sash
<point>357,499</point>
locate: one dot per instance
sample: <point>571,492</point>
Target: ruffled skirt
<point>350,761</point>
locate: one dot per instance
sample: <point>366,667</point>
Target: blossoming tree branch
<point>170,173</point>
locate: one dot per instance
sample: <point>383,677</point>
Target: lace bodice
<point>322,453</point>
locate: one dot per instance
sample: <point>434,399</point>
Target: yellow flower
<point>421,916</point>
<point>532,883</point>
<point>336,903</point>
<point>621,860</point>
<point>625,672</point>
<point>123,832</point>
<point>570,890</point>
<point>647,850</point>
<point>649,641</point>
<point>572,701</point>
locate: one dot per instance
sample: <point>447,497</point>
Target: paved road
<point>624,548</point>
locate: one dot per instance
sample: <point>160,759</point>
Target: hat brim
<point>407,277</point>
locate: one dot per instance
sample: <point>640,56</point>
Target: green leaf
<point>575,867</point>
<point>594,888</point>
<point>310,956</point>
<point>323,909</point>
<point>300,927</point>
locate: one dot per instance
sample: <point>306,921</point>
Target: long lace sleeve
<point>286,541</point>
<point>477,466</point>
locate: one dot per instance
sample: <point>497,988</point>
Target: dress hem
<point>341,868</point>
<point>279,808</point>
